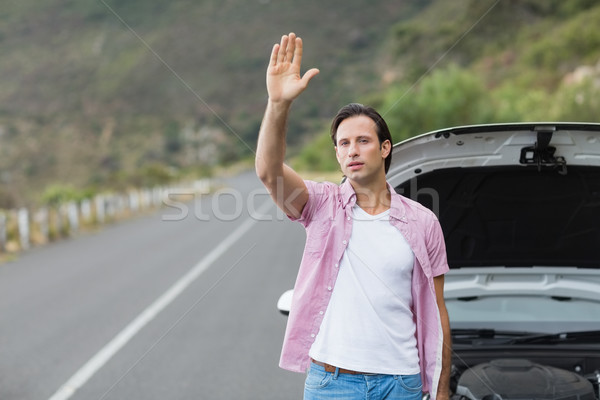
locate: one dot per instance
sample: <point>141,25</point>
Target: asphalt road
<point>180,304</point>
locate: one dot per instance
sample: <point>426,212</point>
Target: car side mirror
<point>285,302</point>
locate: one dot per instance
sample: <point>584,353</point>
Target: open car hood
<point>508,195</point>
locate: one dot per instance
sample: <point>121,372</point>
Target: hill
<point>111,94</point>
<point>471,62</point>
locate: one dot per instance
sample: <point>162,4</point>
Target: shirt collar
<point>397,207</point>
<point>348,194</point>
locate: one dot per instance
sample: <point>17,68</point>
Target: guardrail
<point>23,228</point>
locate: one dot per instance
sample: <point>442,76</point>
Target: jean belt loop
<point>336,373</point>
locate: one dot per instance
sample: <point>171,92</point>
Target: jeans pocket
<point>411,383</point>
<point>317,379</point>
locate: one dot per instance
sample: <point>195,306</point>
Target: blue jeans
<point>333,385</point>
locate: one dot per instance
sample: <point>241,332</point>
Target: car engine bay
<point>520,378</point>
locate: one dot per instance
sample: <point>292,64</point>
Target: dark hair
<point>356,109</point>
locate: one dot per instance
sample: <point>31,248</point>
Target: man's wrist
<point>279,105</point>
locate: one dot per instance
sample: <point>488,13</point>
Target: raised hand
<point>284,82</point>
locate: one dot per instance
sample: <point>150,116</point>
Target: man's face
<point>358,151</point>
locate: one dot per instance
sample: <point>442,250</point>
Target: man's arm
<point>443,392</point>
<point>284,84</point>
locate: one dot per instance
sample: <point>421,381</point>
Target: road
<point>179,304</point>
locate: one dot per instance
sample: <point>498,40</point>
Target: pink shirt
<point>327,218</point>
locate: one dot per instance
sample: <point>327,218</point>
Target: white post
<point>73,215</point>
<point>146,198</point>
<point>157,196</point>
<point>23,224</point>
<point>2,232</point>
<point>134,201</point>
<point>110,206</point>
<point>202,186</point>
<point>41,218</point>
<point>86,210</point>
<point>100,215</point>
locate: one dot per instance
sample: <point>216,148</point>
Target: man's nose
<point>352,149</point>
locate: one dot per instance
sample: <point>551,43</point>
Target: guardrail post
<point>41,218</point>
<point>21,228</point>
<point>110,206</point>
<point>134,201</point>
<point>157,196</point>
<point>73,215</point>
<point>86,210</point>
<point>2,232</point>
<point>100,210</point>
<point>23,224</point>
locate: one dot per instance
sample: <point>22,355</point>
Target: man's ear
<point>386,148</point>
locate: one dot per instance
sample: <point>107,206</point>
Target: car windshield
<point>543,314</point>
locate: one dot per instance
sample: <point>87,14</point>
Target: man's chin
<point>356,178</point>
<point>361,178</point>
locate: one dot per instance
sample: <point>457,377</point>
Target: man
<point>368,317</point>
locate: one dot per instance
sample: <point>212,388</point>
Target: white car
<point>519,205</point>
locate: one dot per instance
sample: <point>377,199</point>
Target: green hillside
<point>471,61</point>
<point>109,94</point>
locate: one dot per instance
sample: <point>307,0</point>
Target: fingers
<point>274,53</point>
<point>291,47</point>
<point>297,51</point>
<point>288,50</point>
<point>282,49</point>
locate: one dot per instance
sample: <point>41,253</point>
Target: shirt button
<point>345,242</point>
<point>312,335</point>
<point>348,218</point>
<point>320,312</point>
<point>328,287</point>
<point>337,265</point>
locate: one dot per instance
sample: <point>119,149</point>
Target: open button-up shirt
<point>327,218</point>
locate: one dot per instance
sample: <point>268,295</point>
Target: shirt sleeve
<point>318,193</point>
<point>436,248</point>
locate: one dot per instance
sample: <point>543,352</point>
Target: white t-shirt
<point>368,325</point>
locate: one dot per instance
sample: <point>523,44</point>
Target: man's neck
<point>373,198</point>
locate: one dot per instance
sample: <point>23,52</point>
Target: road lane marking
<point>122,338</point>
<point>176,323</point>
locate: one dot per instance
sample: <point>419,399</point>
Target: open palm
<point>284,82</point>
